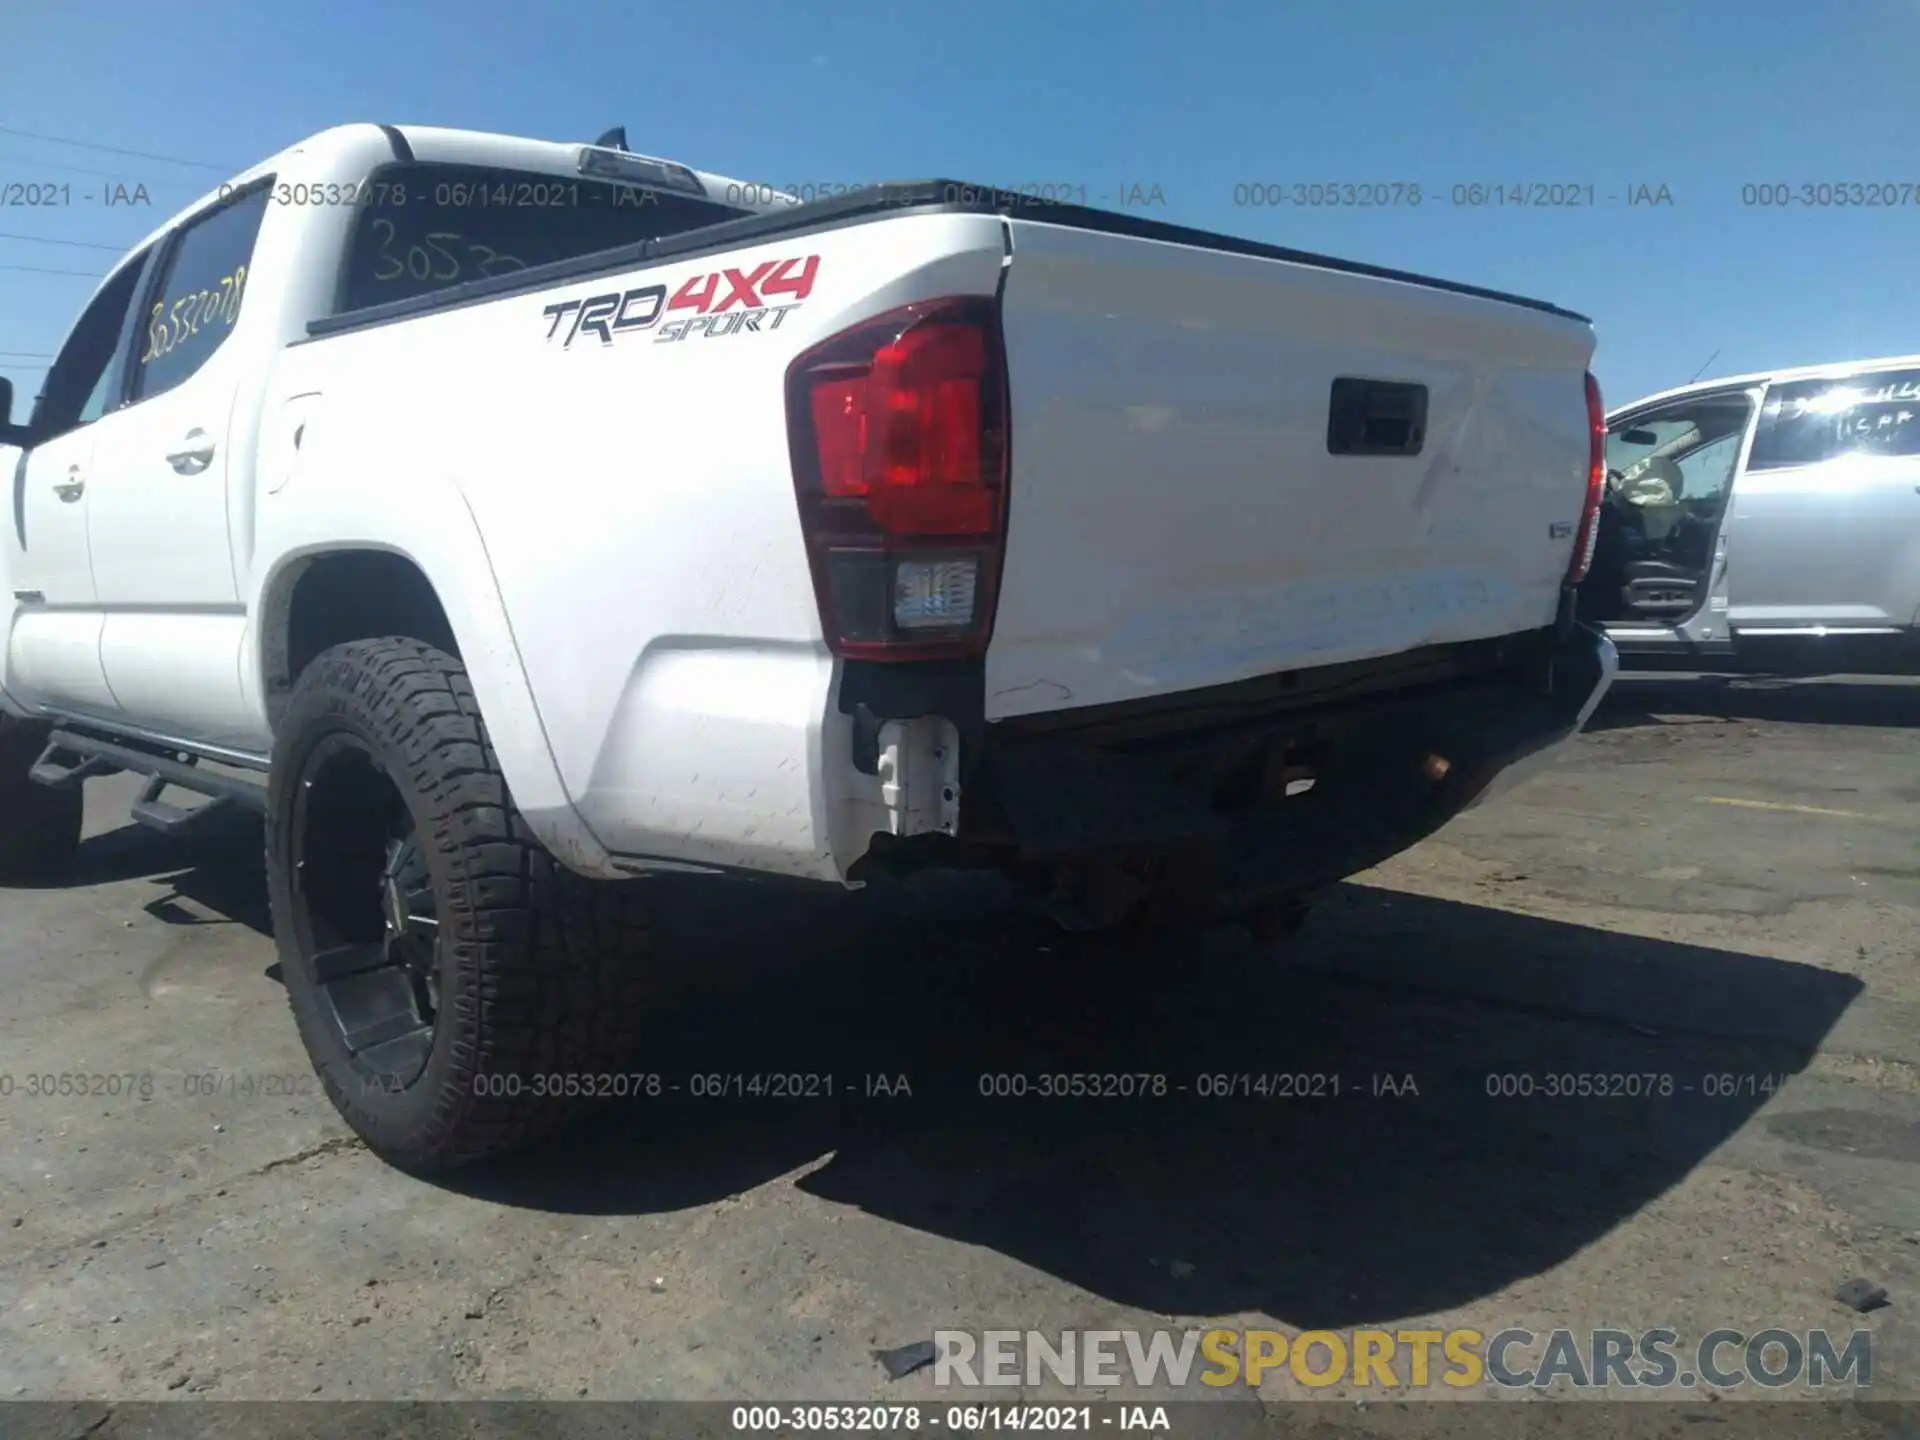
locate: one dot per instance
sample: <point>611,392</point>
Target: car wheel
<point>447,974</point>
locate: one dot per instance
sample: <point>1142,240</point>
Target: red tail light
<point>1589,531</point>
<point>899,439</point>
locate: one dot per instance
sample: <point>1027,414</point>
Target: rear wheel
<point>455,986</point>
<point>39,827</point>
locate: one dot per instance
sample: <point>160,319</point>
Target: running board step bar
<point>48,771</point>
<point>95,756</point>
<point>157,814</point>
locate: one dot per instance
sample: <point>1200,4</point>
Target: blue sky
<point>1197,99</point>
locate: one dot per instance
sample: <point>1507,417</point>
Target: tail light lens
<point>1589,531</point>
<point>898,430</point>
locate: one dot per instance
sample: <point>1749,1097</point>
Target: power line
<point>84,170</point>
<point>78,244</point>
<point>26,355</point>
<point>114,149</point>
<point>42,270</point>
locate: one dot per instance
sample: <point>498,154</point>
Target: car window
<point>1810,421</point>
<point>1708,468</point>
<point>424,227</point>
<point>86,374</point>
<point>1702,437</point>
<point>96,404</point>
<point>1652,437</point>
<point>197,302</point>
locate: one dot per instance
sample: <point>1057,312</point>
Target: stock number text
<point>171,324</point>
<point>444,257</point>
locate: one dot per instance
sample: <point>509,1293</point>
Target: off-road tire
<point>541,972</point>
<point>39,826</point>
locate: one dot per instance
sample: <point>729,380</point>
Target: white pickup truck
<point>507,520</point>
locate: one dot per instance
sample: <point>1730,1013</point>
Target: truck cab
<point>131,553</point>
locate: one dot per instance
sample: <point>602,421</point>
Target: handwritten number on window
<point>438,260</point>
<point>492,258</point>
<point>156,334</point>
<point>452,271</point>
<point>170,323</point>
<point>383,228</point>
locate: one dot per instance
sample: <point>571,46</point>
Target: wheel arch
<point>420,569</point>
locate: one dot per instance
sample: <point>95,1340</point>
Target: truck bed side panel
<point>635,491</point>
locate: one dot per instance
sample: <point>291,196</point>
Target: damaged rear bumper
<point>1589,665</point>
<point>1272,788</point>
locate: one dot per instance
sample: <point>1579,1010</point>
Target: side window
<point>202,286</point>
<point>1708,470</point>
<point>86,374</point>
<point>103,389</point>
<point>1685,451</point>
<point>1809,421</point>
<point>1633,443</point>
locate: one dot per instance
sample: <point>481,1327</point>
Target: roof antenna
<point>1696,374</point>
<point>616,139</point>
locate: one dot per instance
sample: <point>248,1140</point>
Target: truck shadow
<point>1647,700</point>
<point>227,877</point>
<point>221,873</point>
<point>1371,1157</point>
<point>219,868</point>
<point>1329,1133</point>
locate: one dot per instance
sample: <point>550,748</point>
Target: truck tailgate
<point>1177,516</point>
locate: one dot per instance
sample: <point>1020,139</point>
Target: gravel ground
<point>1720,885</point>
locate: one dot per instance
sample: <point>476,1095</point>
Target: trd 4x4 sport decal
<point>724,302</point>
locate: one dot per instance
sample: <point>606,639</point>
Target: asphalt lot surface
<point>1720,885</point>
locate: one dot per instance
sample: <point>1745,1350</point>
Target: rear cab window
<point>426,226</point>
<point>1808,422</point>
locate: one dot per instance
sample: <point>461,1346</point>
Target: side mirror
<point>10,433</point>
<point>1639,437</point>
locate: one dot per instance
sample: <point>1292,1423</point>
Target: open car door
<point>1659,581</point>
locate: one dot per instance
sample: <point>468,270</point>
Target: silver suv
<point>1767,520</point>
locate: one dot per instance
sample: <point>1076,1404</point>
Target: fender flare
<point>425,520</point>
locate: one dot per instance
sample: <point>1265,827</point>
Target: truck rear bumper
<point>1589,662</point>
<point>750,758</point>
<point>1255,795</point>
